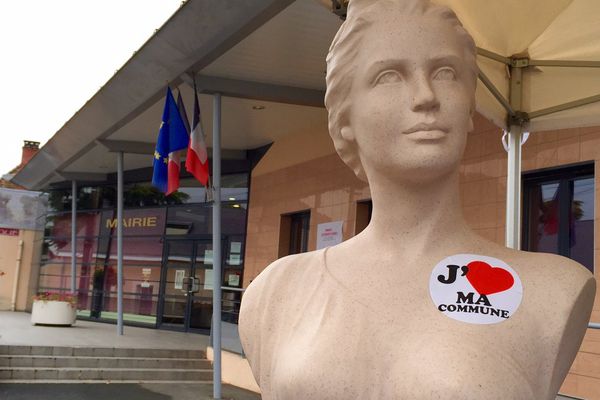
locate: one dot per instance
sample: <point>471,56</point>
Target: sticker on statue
<point>475,289</point>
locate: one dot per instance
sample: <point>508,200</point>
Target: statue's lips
<point>425,131</point>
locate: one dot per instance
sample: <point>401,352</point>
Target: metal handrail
<point>594,325</point>
<point>232,289</point>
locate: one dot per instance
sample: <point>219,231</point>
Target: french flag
<point>196,162</point>
<point>174,164</point>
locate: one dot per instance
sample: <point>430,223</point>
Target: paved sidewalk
<point>124,391</point>
<point>16,329</point>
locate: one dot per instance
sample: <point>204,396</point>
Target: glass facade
<point>167,253</point>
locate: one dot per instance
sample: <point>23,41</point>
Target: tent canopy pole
<point>565,106</point>
<point>496,93</point>
<point>513,178</point>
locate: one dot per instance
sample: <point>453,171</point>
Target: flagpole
<point>216,244</point>
<point>120,243</point>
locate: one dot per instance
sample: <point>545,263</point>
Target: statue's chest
<point>341,349</point>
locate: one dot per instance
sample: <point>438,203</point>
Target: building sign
<point>136,222</point>
<point>143,221</point>
<point>329,234</point>
<point>9,232</point>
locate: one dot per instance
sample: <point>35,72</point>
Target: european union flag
<point>172,136</point>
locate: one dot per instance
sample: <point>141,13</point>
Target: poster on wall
<point>9,232</point>
<point>208,279</point>
<point>22,209</point>
<point>329,234</point>
<point>179,277</point>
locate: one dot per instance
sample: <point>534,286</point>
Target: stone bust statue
<point>416,306</point>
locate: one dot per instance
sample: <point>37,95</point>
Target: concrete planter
<point>49,312</point>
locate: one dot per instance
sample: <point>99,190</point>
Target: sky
<point>57,54</point>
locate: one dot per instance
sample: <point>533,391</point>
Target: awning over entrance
<point>256,53</point>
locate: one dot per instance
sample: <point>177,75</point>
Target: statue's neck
<point>417,216</point>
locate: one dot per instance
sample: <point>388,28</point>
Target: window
<point>293,233</point>
<point>558,210</point>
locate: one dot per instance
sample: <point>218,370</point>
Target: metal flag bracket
<point>505,143</point>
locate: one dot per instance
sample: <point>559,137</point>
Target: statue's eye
<point>387,77</point>
<point>444,74</point>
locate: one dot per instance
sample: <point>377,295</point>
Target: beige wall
<point>285,182</point>
<point>29,270</point>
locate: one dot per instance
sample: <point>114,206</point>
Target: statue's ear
<point>347,134</point>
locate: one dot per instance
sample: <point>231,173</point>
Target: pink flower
<point>57,296</point>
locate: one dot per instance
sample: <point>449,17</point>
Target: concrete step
<point>103,374</point>
<point>101,362</point>
<point>100,352</point>
<point>82,364</point>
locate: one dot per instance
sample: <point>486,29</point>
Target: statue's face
<point>411,98</point>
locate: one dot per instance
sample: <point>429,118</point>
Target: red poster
<point>9,232</point>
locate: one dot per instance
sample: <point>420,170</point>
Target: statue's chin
<point>418,172</point>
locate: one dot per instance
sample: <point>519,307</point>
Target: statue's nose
<point>424,97</point>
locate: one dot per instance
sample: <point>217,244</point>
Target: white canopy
<point>556,44</point>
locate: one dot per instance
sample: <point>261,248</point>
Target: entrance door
<point>186,286</point>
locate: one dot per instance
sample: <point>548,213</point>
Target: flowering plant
<point>57,296</point>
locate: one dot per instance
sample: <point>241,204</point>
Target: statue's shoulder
<point>556,276</point>
<point>561,296</point>
<point>284,275</point>
<point>553,286</point>
<point>266,305</point>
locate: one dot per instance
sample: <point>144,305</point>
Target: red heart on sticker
<point>487,279</point>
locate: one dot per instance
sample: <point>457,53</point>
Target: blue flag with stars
<point>172,136</point>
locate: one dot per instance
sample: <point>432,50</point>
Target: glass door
<point>186,300</point>
<point>201,298</point>
<point>177,269</point>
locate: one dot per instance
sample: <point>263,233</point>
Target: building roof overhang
<point>265,53</point>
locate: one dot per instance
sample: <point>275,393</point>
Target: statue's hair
<point>345,48</point>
